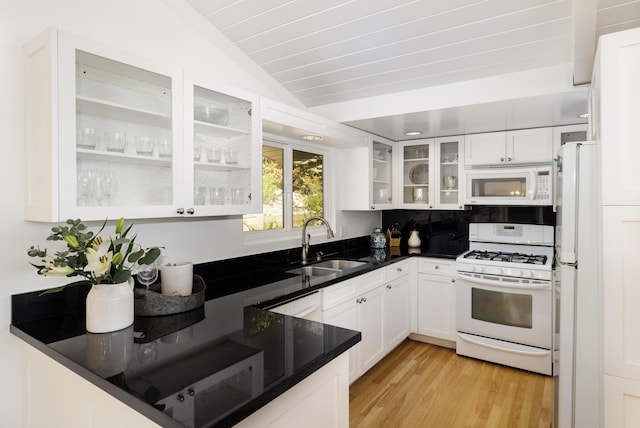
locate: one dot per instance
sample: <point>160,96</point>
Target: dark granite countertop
<point>212,366</point>
<point>172,368</point>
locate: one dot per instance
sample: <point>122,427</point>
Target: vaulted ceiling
<point>331,51</point>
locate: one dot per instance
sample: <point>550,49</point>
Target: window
<point>293,187</point>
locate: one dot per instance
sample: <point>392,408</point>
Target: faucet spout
<point>306,238</point>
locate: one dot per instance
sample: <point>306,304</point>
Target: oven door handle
<point>491,282</point>
<point>531,353</point>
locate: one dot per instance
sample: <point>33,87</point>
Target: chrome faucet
<point>306,238</point>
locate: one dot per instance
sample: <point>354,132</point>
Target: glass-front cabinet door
<point>417,174</point>
<point>124,141</point>
<point>449,172</point>
<point>381,175</point>
<point>224,168</point>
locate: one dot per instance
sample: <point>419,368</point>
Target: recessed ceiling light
<point>312,137</point>
<point>412,133</point>
<point>583,115</point>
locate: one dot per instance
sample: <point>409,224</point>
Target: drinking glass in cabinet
<point>217,195</point>
<point>214,154</point>
<point>87,138</point>
<point>200,197</point>
<point>144,146</point>
<point>85,187</point>
<point>237,196</point>
<point>105,187</point>
<point>164,149</point>
<point>117,142</point>
<point>231,156</point>
<point>197,149</point>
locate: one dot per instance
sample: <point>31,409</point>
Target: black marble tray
<point>151,302</point>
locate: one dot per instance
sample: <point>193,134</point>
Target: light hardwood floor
<point>422,385</point>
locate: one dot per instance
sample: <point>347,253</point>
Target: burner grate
<point>499,256</point>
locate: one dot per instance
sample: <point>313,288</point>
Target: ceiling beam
<point>584,39</point>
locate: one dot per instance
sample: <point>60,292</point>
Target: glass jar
<point>377,238</point>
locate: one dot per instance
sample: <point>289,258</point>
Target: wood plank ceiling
<point>328,51</point>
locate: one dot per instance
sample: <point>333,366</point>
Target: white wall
<point>154,29</point>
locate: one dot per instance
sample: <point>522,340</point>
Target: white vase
<point>109,307</point>
<point>414,239</point>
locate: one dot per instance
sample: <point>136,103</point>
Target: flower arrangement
<point>98,260</point>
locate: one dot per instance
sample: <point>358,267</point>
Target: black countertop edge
<point>130,400</point>
<point>165,420</point>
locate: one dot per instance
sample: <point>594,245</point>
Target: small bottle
<point>377,239</point>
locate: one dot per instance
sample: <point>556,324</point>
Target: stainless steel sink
<point>313,271</point>
<point>326,267</point>
<point>339,264</point>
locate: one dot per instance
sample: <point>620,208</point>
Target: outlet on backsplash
<point>343,231</point>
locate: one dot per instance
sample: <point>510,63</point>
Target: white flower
<point>51,269</point>
<point>99,257</point>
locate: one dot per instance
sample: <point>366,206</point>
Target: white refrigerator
<point>577,382</point>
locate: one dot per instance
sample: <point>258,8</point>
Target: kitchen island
<point>213,366</point>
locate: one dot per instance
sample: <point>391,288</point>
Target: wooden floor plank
<point>422,385</point>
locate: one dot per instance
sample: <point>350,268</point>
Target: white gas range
<point>504,295</point>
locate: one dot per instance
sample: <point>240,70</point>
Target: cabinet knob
<point>437,267</point>
<point>389,287</point>
<point>373,207</point>
<point>508,159</point>
<point>190,211</point>
<point>453,280</point>
<point>364,299</point>
<point>180,211</point>
<point>399,269</point>
<point>501,159</point>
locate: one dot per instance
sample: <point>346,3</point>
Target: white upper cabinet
<point>106,137</point>
<point>223,140</point>
<point>449,185</point>
<point>510,147</point>
<point>369,172</point>
<point>416,174</point>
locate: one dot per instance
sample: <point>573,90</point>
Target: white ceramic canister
<point>176,279</point>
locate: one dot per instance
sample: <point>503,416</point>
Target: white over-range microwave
<point>530,185</point>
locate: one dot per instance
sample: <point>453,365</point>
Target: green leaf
<point>150,257</point>
<point>121,276</point>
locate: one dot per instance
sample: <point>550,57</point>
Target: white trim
<point>289,233</point>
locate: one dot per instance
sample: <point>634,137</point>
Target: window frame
<point>288,232</point>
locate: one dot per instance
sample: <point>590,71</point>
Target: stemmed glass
<point>86,186</point>
<point>147,274</point>
<point>109,186</point>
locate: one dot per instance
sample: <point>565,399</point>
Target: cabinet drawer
<point>436,266</point>
<point>397,270</point>
<point>338,293</point>
<point>370,280</point>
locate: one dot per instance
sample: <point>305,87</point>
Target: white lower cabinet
<point>396,312</point>
<point>378,305</point>
<point>436,300</point>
